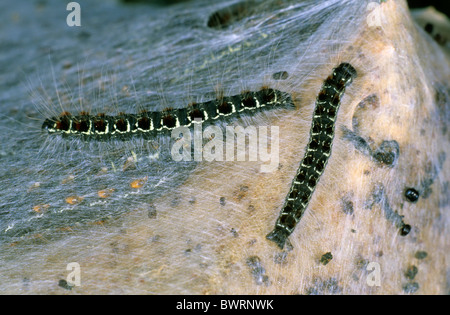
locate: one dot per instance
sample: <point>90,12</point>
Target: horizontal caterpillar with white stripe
<point>149,123</point>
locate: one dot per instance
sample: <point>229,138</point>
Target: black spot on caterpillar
<point>148,124</point>
<point>317,152</point>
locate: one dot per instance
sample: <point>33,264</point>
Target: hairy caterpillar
<point>317,153</point>
<point>147,124</point>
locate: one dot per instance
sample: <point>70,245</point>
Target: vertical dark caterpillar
<point>317,153</point>
<point>148,124</point>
